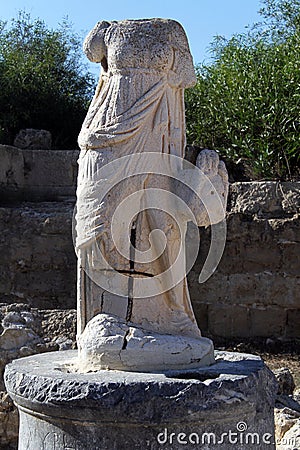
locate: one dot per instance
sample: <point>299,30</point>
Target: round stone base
<point>226,405</point>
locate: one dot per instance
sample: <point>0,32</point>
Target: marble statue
<point>137,201</point>
<point>129,316</point>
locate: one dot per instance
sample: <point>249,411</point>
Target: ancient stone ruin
<point>143,375</point>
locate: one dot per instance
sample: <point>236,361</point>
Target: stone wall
<point>37,258</point>
<point>37,175</point>
<point>27,331</point>
<point>254,292</point>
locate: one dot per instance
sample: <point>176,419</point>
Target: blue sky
<point>202,19</point>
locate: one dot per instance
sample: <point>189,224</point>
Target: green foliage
<point>43,83</point>
<point>246,103</point>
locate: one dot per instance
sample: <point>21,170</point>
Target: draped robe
<point>138,107</point>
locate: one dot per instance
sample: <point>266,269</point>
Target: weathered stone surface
<point>265,198</point>
<point>285,419</point>
<point>37,175</point>
<point>265,289</point>
<point>149,64</point>
<point>59,325</point>
<point>287,425</point>
<point>20,336</point>
<point>58,329</point>
<point>17,337</point>
<point>126,409</point>
<point>108,342</point>
<point>38,264</point>
<point>30,138</point>
<point>9,422</point>
<point>11,168</point>
<point>228,320</point>
<point>286,384</point>
<point>287,412</point>
<point>293,320</point>
<point>26,331</point>
<point>291,438</point>
<point>260,316</point>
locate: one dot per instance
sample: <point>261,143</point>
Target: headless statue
<point>134,309</point>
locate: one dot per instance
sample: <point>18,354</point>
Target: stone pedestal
<point>227,405</point>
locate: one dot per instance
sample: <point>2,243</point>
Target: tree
<point>43,82</point>
<point>246,103</point>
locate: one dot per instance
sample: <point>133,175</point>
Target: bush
<point>246,103</point>
<point>43,83</point>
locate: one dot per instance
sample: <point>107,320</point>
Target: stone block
<point>291,258</point>
<point>261,289</point>
<point>44,281</point>
<point>265,198</point>
<point>242,288</point>
<point>238,225</point>
<point>215,289</point>
<point>37,175</point>
<point>293,322</point>
<point>228,320</point>
<point>38,262</point>
<point>259,257</point>
<point>201,314</point>
<point>286,229</point>
<point>267,322</point>
<point>11,167</point>
<point>291,438</point>
<point>50,168</point>
<point>276,289</point>
<point>5,280</point>
<point>233,256</point>
<point>30,138</point>
<point>294,292</point>
<point>286,384</point>
<point>46,288</point>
